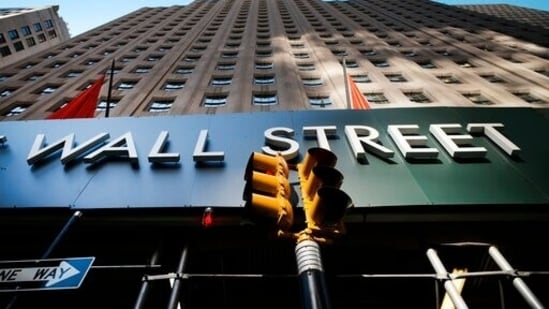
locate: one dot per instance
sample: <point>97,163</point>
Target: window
<point>6,92</point>
<point>340,53</point>
<point>126,85</point>
<point>142,69</point>
<point>225,66</point>
<point>41,38</point>
<point>5,51</point>
<point>264,80</point>
<point>301,55</point>
<point>528,97</point>
<point>13,34</point>
<point>363,78</point>
<point>448,79</point>
<point>312,82</point>
<point>263,53</point>
<point>154,57</point>
<point>72,74</point>
<point>264,99</point>
<point>478,98</point>
<point>26,30</point>
<point>417,97</point>
<point>114,70</point>
<point>52,34</point>
<point>492,78</point>
<point>102,105</point>
<point>2,38</point>
<point>306,67</point>
<point>380,63</point>
<point>34,77</point>
<point>232,44</point>
<point>376,98</point>
<point>465,64</point>
<point>320,101</point>
<point>56,64</point>
<point>18,46</point>
<point>30,41</point>
<point>174,85</point>
<point>351,64</point>
<point>184,70</point>
<point>229,55</point>
<point>127,59</point>
<point>263,65</point>
<point>4,77</point>
<point>16,110</point>
<point>48,24</point>
<point>49,89</point>
<point>368,52</point>
<point>90,62</point>
<point>426,65</point>
<point>160,106</point>
<point>28,65</point>
<point>190,59</point>
<point>409,54</point>
<point>395,78</point>
<point>215,100</point>
<point>219,81</point>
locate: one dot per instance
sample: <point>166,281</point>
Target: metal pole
<point>439,268</point>
<point>77,214</point>
<point>174,296</point>
<point>108,107</point>
<point>145,285</point>
<point>311,275</point>
<point>346,80</point>
<point>519,284</point>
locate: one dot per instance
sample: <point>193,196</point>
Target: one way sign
<point>49,274</point>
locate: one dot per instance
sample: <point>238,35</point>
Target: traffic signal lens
<point>271,209</point>
<point>267,191</point>
<point>267,164</point>
<point>316,156</point>
<point>322,176</point>
<point>329,206</point>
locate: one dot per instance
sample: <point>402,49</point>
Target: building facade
<point>448,163</point>
<point>241,56</point>
<point>27,31</point>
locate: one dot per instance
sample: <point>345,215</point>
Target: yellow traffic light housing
<point>267,191</point>
<point>324,203</point>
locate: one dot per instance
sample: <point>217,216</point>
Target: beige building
<point>237,56</point>
<point>27,31</point>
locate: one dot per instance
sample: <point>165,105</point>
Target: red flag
<point>83,105</point>
<point>358,101</point>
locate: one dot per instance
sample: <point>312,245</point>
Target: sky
<point>83,16</point>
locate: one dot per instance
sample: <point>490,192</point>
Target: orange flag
<point>358,101</point>
<point>83,105</point>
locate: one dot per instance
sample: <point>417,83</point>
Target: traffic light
<point>324,203</point>
<point>267,191</point>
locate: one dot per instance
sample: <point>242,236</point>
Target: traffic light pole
<point>311,275</point>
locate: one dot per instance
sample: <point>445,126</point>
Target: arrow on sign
<point>52,275</point>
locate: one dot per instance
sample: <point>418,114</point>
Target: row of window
<point>266,99</point>
<point>220,81</point>
<point>29,41</point>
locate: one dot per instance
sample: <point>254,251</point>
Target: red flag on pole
<point>358,101</point>
<point>83,105</point>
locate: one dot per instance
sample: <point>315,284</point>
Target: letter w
<point>39,152</point>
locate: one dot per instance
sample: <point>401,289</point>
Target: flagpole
<point>346,80</point>
<point>109,91</point>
